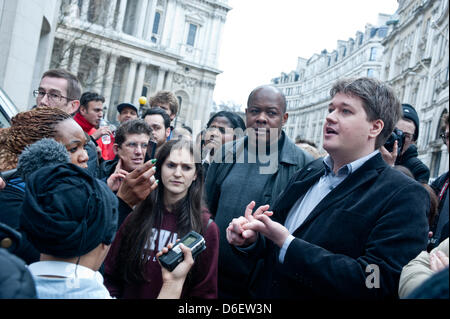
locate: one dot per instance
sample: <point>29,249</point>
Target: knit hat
<point>410,113</point>
<point>67,213</point>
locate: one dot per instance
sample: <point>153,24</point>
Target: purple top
<point>202,281</point>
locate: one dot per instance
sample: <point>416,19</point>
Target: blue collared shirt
<point>305,205</point>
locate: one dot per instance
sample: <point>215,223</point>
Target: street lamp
<point>142,101</point>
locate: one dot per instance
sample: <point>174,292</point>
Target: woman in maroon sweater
<point>167,214</point>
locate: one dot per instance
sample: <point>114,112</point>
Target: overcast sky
<point>263,38</point>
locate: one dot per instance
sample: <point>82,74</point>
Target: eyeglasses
<point>134,145</point>
<point>444,137</point>
<point>51,96</point>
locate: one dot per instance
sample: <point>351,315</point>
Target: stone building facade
<point>416,65</point>
<point>27,30</point>
<point>307,88</point>
<point>125,49</point>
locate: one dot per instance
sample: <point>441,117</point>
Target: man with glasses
<point>59,88</point>
<point>409,125</point>
<point>130,147</point>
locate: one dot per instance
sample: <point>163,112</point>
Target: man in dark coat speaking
<point>345,225</point>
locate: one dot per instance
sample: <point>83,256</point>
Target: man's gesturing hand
<point>262,223</point>
<point>236,233</point>
<point>138,184</point>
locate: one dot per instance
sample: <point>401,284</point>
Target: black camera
<point>397,135</point>
<point>151,150</point>
<point>192,240</point>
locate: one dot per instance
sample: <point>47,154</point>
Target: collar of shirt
<point>64,269</point>
<point>346,169</point>
<point>306,204</point>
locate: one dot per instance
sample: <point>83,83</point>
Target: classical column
<point>169,80</point>
<point>392,67</point>
<point>200,109</point>
<point>121,15</point>
<point>160,80</point>
<point>169,22</point>
<point>101,69</point>
<point>73,9</point>
<point>415,45</point>
<point>142,13</point>
<point>139,81</point>
<point>109,80</point>
<point>130,82</point>
<point>76,60</point>
<point>84,10</point>
<point>206,49</point>
<point>110,14</point>
<point>65,50</point>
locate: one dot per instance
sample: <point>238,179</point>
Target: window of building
<point>382,32</point>
<point>370,73</point>
<point>191,35</point>
<point>360,40</point>
<point>157,19</point>
<point>373,54</point>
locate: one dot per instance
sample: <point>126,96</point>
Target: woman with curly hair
<point>31,126</point>
<point>26,129</point>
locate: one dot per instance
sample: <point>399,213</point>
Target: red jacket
<point>107,149</point>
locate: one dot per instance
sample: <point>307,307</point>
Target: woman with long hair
<point>167,214</point>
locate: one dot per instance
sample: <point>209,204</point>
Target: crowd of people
<point>88,209</point>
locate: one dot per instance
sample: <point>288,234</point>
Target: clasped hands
<point>243,231</point>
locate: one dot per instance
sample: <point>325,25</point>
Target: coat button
<point>6,243</point>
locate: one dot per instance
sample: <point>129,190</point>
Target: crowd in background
<point>87,208</point>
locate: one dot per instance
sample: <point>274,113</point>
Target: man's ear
<point>377,127</point>
<point>167,132</point>
<point>285,118</point>
<point>73,106</point>
<point>116,149</point>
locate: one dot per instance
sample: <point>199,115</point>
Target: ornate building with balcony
<point>416,65</point>
<point>125,49</point>
<point>307,88</point>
